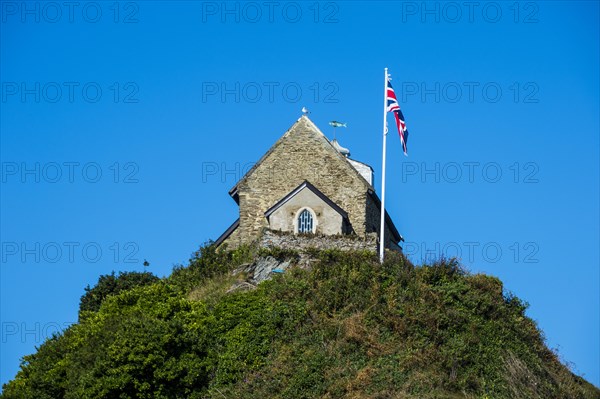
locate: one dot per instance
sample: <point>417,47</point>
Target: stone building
<point>307,185</point>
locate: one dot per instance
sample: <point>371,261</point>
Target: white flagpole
<point>382,226</point>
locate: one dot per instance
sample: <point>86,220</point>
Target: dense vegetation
<point>347,328</point>
<point>111,284</point>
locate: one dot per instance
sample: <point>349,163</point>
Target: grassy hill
<point>347,327</point>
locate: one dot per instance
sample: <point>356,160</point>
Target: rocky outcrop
<point>258,271</point>
<point>273,239</point>
<point>264,267</point>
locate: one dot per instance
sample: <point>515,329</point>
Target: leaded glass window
<point>305,222</point>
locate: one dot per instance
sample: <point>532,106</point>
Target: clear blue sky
<point>123,128</point>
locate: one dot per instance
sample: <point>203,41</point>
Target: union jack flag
<point>394,107</point>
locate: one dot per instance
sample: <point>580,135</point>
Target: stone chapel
<point>307,185</point>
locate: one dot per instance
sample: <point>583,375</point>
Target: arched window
<point>305,222</point>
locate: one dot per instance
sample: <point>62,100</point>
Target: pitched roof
<point>318,132</point>
<point>306,184</point>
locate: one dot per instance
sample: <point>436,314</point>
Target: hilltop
<point>343,327</point>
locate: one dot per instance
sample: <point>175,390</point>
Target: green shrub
<point>110,284</point>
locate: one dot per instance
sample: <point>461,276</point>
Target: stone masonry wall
<point>234,240</point>
<point>300,242</point>
<point>373,213</point>
<point>302,154</point>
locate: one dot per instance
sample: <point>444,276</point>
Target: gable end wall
<point>302,154</point>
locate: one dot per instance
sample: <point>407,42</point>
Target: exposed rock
<point>271,239</point>
<point>261,269</point>
<point>264,267</point>
<point>241,269</point>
